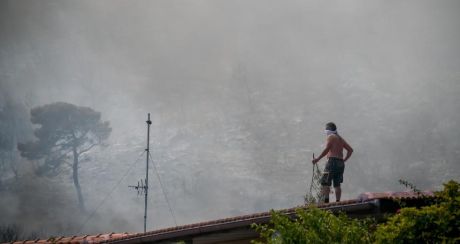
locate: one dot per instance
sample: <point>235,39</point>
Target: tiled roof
<point>365,200</point>
<point>395,195</point>
<point>77,239</point>
<point>222,224</point>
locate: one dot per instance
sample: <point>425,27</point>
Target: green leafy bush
<point>313,225</point>
<point>437,223</point>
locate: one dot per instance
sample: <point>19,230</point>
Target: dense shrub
<point>313,225</point>
<point>437,223</point>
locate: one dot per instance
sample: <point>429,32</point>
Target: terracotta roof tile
<point>238,220</point>
<point>395,195</point>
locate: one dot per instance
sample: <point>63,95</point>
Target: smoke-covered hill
<point>239,93</point>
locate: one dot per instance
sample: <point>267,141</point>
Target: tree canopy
<point>64,131</point>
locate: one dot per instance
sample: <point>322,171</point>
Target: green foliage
<point>313,225</point>
<point>437,223</point>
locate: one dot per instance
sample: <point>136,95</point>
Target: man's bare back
<point>334,148</point>
<point>336,145</point>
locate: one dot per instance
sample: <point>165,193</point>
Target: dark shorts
<point>333,172</point>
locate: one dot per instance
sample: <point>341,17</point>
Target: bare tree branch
<point>87,149</point>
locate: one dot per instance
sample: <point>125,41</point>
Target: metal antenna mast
<point>143,185</point>
<point>149,122</point>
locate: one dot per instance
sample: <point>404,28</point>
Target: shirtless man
<point>333,172</point>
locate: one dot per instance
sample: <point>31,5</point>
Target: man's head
<point>331,126</point>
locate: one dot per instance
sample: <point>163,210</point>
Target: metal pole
<point>313,175</point>
<point>147,171</point>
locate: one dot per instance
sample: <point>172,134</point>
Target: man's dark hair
<point>331,126</point>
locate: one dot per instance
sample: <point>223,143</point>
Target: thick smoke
<point>239,93</point>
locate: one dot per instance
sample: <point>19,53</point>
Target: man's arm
<point>325,151</point>
<point>349,150</point>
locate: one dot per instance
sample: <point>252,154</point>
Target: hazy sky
<point>239,93</point>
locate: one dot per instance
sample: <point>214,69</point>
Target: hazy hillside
<point>239,93</point>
